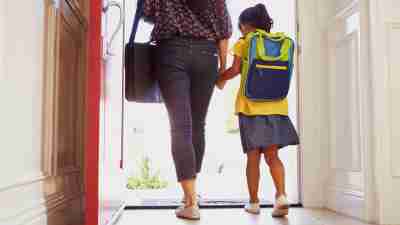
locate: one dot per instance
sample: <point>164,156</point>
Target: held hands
<point>221,82</point>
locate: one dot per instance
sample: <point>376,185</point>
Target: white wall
<point>344,116</point>
<point>22,88</point>
<point>385,34</point>
<point>21,76</point>
<point>2,34</point>
<point>312,100</point>
<point>360,171</point>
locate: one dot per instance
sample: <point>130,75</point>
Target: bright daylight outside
<point>149,164</point>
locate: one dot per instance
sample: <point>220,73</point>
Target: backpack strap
<point>257,45</point>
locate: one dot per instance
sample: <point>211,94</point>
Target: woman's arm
<point>224,31</point>
<point>223,54</point>
<point>223,23</point>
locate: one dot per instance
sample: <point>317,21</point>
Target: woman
<point>190,35</point>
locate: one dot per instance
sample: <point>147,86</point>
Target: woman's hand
<point>221,84</point>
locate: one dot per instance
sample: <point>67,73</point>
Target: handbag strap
<point>138,15</point>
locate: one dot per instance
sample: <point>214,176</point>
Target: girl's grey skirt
<point>260,132</point>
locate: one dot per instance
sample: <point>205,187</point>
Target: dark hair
<point>257,17</point>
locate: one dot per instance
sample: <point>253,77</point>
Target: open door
<point>105,179</point>
<point>339,27</point>
<point>223,168</point>
<point>111,174</point>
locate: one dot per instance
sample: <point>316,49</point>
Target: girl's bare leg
<point>276,168</point>
<point>253,174</point>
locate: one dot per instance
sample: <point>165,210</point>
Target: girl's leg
<point>276,168</point>
<point>253,174</point>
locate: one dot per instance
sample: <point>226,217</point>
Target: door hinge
<point>55,3</point>
<point>299,49</point>
<point>298,37</point>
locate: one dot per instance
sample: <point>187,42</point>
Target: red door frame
<point>94,44</point>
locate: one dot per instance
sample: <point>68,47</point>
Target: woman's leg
<point>174,83</point>
<point>203,74</point>
<point>276,168</point>
<point>253,174</point>
<point>182,147</point>
<point>189,190</point>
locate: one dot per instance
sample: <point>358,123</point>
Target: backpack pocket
<point>267,80</point>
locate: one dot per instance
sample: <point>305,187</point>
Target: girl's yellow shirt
<point>252,108</point>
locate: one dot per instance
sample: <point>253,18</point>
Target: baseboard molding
<point>349,203</point>
<point>28,205</point>
<point>62,215</point>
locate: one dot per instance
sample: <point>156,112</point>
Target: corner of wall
<point>312,105</point>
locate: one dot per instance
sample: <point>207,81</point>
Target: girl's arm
<point>230,73</point>
<point>233,71</point>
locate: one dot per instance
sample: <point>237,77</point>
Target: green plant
<point>231,125</point>
<point>146,180</point>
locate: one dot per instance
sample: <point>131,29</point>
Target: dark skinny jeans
<point>187,71</point>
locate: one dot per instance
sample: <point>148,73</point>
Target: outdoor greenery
<point>146,179</point>
<point>231,125</point>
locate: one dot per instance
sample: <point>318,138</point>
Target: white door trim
<point>314,106</point>
<point>312,135</point>
<point>384,22</point>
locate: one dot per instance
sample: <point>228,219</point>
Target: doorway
<point>316,19</point>
<point>149,168</point>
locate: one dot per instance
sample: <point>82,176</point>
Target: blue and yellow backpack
<point>269,66</point>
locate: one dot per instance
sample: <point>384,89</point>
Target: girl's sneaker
<point>189,213</point>
<point>253,208</point>
<point>281,207</point>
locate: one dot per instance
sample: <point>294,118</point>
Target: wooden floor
<point>236,217</point>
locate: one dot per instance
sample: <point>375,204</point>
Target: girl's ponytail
<point>264,20</point>
<point>261,10</point>
<point>258,17</point>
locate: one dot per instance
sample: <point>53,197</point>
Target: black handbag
<point>140,80</point>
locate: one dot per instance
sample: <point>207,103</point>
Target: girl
<point>264,126</point>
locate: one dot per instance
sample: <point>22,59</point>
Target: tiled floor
<point>236,217</point>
